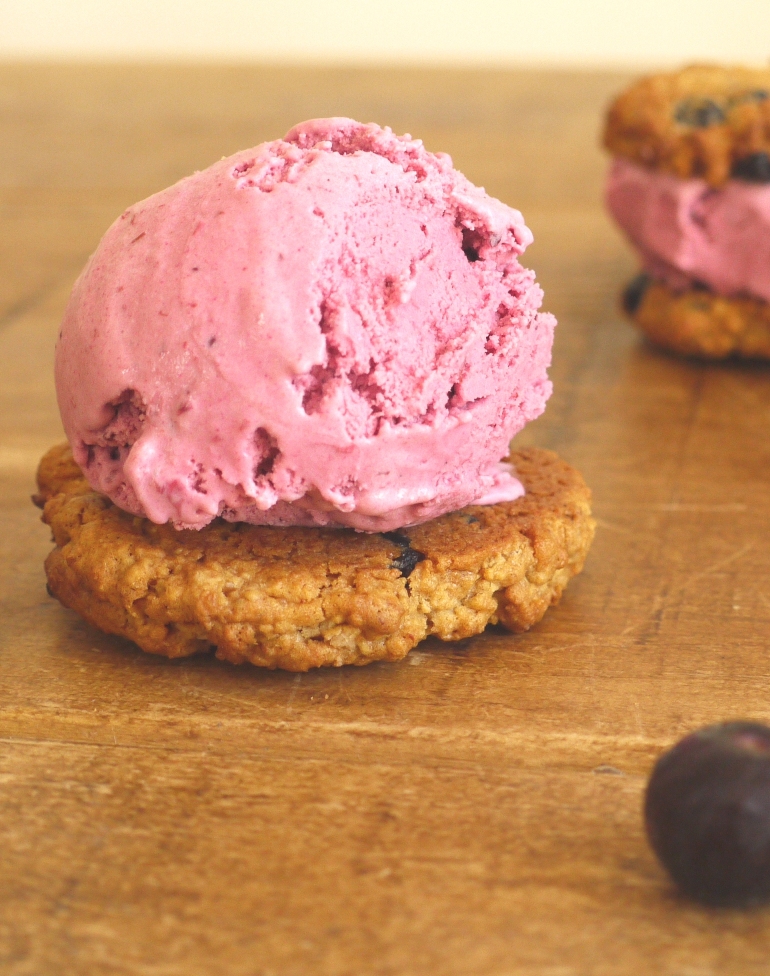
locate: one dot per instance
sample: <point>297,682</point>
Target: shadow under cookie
<point>298,598</point>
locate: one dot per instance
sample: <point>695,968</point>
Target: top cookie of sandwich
<point>704,121</point>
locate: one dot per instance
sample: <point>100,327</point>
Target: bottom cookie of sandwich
<point>299,598</point>
<point>697,322</point>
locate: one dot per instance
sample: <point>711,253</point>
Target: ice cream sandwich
<point>690,187</point>
<point>289,383</point>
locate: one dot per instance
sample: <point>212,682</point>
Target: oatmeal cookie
<point>705,120</point>
<point>298,598</point>
<point>697,322</point>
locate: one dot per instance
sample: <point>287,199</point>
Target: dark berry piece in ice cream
<point>707,813</point>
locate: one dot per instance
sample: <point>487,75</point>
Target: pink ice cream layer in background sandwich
<point>329,329</point>
<point>686,231</point>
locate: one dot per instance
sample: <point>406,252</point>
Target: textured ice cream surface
<point>328,329</point>
<point>686,231</point>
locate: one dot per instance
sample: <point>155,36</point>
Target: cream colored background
<point>591,31</point>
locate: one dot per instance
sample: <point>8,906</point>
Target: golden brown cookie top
<point>705,120</point>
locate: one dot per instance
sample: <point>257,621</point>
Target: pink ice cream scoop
<point>687,231</point>
<point>329,329</point>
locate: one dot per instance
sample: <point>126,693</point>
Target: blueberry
<point>635,292</point>
<point>707,813</point>
<point>408,559</point>
<point>699,113</point>
<point>755,168</point>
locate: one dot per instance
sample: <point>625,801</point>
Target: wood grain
<point>474,809</point>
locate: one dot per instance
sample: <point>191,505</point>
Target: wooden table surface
<point>474,809</point>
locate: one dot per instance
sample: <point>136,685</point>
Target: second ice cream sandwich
<point>690,187</point>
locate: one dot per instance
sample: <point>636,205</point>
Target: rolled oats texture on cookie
<point>300,597</point>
